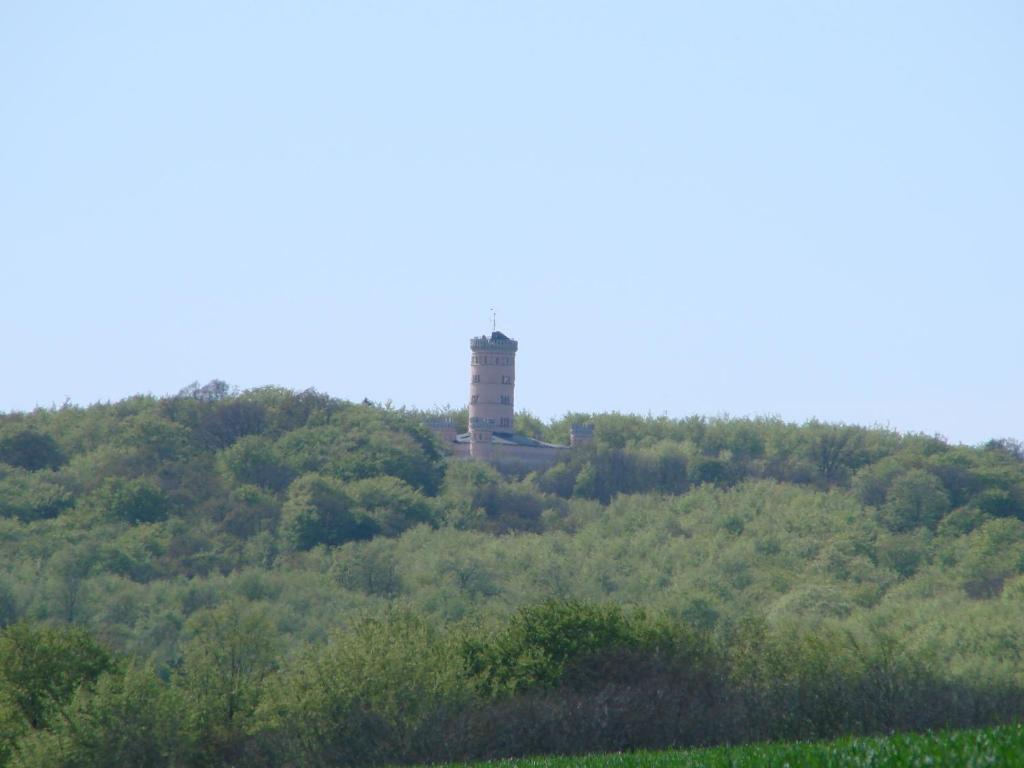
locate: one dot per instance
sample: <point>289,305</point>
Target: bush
<point>559,641</point>
<point>379,692</point>
<point>127,719</point>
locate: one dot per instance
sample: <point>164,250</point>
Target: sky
<point>791,209</point>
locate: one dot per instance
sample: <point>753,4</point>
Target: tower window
<point>506,379</point>
<point>476,378</point>
<point>506,423</point>
<point>506,400</point>
<point>473,398</point>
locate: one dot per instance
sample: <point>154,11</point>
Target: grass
<point>1002,746</point>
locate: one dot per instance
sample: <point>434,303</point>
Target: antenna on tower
<point>494,320</point>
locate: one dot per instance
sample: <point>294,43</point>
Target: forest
<point>271,577</point>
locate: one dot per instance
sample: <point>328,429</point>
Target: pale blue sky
<point>789,208</point>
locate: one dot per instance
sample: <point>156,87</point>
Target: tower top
<point>496,341</point>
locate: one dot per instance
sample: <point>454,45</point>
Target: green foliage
<point>8,605</point>
<point>41,668</point>
<point>992,554</point>
<point>126,719</point>
<point>31,450</point>
<point>372,692</point>
<point>228,654</point>
<point>31,496</point>
<point>834,450</point>
<point>13,725</point>
<point>319,510</point>
<point>250,510</point>
<point>149,521</point>
<point>529,425</point>
<point>661,468</point>
<point>914,499</point>
<point>476,496</point>
<point>255,460</point>
<point>154,440</point>
<point>361,442</point>
<point>134,500</point>
<point>214,416</point>
<point>369,567</point>
<point>545,642</point>
<point>392,504</point>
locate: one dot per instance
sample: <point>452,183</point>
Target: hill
<point>790,564</point>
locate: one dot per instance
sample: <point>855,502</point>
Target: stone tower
<point>492,379</point>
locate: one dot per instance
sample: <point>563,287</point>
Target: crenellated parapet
<point>496,342</point>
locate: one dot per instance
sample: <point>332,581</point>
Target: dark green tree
<point>915,498</point>
<point>41,668</point>
<point>229,652</point>
<point>318,510</point>
<point>127,718</point>
<point>255,460</point>
<point>392,504</point>
<point>132,500</point>
<point>31,450</point>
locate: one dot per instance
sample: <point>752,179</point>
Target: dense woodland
<point>283,578</point>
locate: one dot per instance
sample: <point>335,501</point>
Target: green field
<point>1002,746</point>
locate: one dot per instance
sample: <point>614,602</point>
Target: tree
<point>1008,447</point>
<point>529,425</point>
<point>915,498</point>
<point>229,652</point>
<point>31,495</point>
<point>255,460</point>
<point>992,554</point>
<point>318,510</point>
<point>476,496</point>
<point>251,510</point>
<point>374,694</point>
<point>363,441</point>
<point>369,566</point>
<point>132,500</point>
<point>31,450</point>
<point>12,726</point>
<point>8,607</point>
<point>211,392</point>
<point>40,669</point>
<point>154,441</point>
<point>544,642</point>
<point>834,450</point>
<point>392,504</point>
<point>128,718</point>
<point>68,573</point>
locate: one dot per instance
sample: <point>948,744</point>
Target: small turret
<point>444,428</point>
<point>580,434</point>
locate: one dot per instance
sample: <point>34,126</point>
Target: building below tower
<point>491,436</point>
